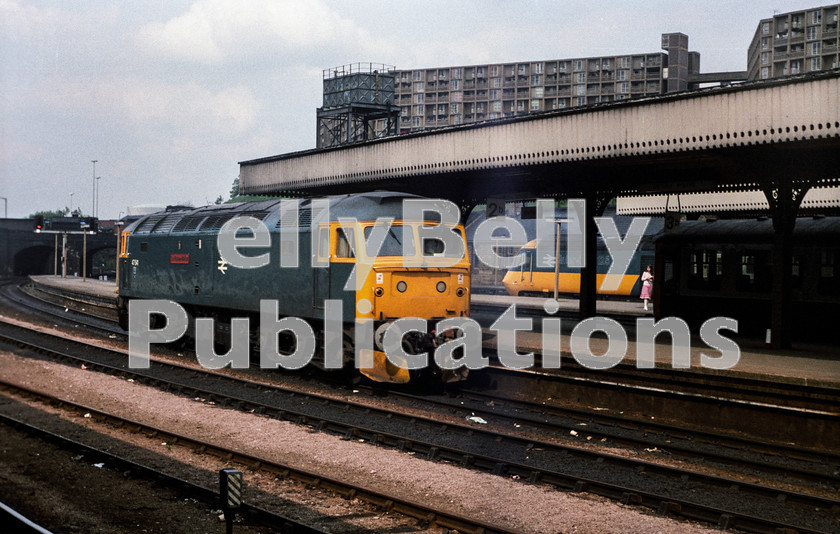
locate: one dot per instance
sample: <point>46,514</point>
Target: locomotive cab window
<point>432,247</point>
<point>323,244</point>
<point>399,240</point>
<point>343,249</point>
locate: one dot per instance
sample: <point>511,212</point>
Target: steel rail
<point>525,472</point>
<point>538,422</point>
<point>805,396</point>
<point>385,501</point>
<point>778,450</point>
<point>202,493</point>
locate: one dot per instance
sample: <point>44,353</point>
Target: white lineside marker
<point>767,339</point>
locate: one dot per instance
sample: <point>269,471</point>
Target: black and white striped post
<point>230,490</point>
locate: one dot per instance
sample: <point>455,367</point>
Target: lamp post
<point>93,199</point>
<point>96,210</point>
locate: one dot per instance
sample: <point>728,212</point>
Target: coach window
<point>763,271</point>
<point>705,269</point>
<point>795,271</point>
<point>746,273</point>
<point>828,273</point>
<point>342,243</point>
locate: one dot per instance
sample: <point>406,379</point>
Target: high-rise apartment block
<point>794,43</point>
<point>444,96</point>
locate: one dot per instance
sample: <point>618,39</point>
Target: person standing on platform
<point>647,285</point>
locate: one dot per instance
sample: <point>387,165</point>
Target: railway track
<point>514,464</point>
<point>688,444</point>
<point>390,503</point>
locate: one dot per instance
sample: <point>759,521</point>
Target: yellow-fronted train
<point>174,255</point>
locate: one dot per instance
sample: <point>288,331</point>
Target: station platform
<point>804,364</point>
<point>606,307</point>
<point>103,289</point>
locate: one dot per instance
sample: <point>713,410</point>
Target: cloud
<point>217,31</point>
<point>190,106</point>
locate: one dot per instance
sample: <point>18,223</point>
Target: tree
<point>234,189</point>
<point>50,214</point>
<point>236,197</point>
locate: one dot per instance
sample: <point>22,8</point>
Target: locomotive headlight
<point>441,287</point>
<point>460,291</point>
<point>378,291</point>
<point>401,286</point>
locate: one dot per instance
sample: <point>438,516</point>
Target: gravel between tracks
<point>490,498</point>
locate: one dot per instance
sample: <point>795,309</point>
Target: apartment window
<point>417,122</point>
<point>494,70</point>
<point>765,27</point>
<point>622,75</point>
<point>457,119</point>
<point>624,87</point>
<point>815,63</point>
<point>418,75</point>
<point>625,62</point>
<point>535,105</point>
<point>795,66</point>
<point>497,106</point>
<point>523,69</point>
<point>418,98</point>
<point>419,87</point>
<point>580,77</point>
<point>765,42</point>
<point>418,110</point>
<point>495,82</point>
<point>455,85</point>
<point>539,92</point>
<point>494,94</point>
<point>457,73</point>
<point>812,33</point>
<point>563,66</point>
<point>765,73</point>
<point>796,21</point>
<point>580,90</point>
<point>578,64</point>
<point>765,58</point>
<point>535,79</point>
<point>815,48</point>
<point>538,68</point>
<point>457,96</point>
<point>563,103</point>
<point>580,101</point>
<point>816,17</point>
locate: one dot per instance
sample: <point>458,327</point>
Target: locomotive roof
<point>744,230</point>
<point>362,206</point>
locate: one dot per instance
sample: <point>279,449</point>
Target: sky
<point>169,95</point>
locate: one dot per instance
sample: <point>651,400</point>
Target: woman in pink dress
<point>647,285</point>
